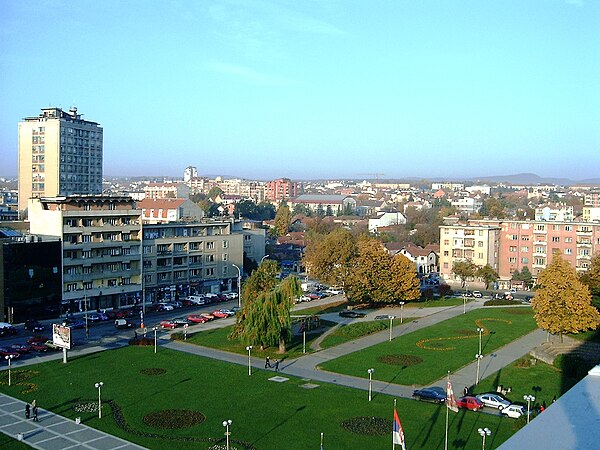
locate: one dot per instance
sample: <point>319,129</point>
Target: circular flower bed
<point>466,332</point>
<point>369,426</point>
<point>153,371</point>
<point>85,407</point>
<point>221,447</point>
<point>400,360</point>
<point>174,418</point>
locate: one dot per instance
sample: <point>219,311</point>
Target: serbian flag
<point>398,433</point>
<point>450,399</point>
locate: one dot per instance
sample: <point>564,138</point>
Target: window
<point>525,237</point>
<point>86,254</point>
<point>525,260</point>
<point>480,255</point>
<point>540,261</point>
<point>147,249</point>
<point>225,244</point>
<point>480,244</point>
<point>512,248</point>
<point>512,260</point>
<point>210,245</point>
<point>555,239</point>
<point>525,249</point>
<point>210,272</point>
<point>555,227</point>
<point>210,258</point>
<point>112,282</point>
<point>445,252</point>
<point>225,257</point>
<point>225,270</point>
<point>446,242</point>
<point>568,251</point>
<point>87,285</point>
<point>87,238</point>
<point>568,240</point>
<point>568,228</point>
<point>514,237</point>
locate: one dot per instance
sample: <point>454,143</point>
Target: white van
<point>196,299</point>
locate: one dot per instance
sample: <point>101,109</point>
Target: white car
<point>334,291</point>
<point>493,400</point>
<point>304,298</point>
<point>477,294</point>
<point>514,411</point>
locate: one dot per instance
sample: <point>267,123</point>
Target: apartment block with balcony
<point>180,259</point>
<point>101,248</point>
<point>478,243</point>
<point>281,189</point>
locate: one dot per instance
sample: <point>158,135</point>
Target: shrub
<point>370,426</point>
<point>178,336</point>
<point>500,302</point>
<point>174,418</point>
<point>141,341</point>
<point>400,360</point>
<point>153,371</point>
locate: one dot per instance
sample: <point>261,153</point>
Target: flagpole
<point>446,439</point>
<point>393,443</point>
<point>321,441</point>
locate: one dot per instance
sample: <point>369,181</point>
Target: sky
<point>314,88</point>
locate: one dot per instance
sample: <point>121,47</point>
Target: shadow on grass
<point>281,423</point>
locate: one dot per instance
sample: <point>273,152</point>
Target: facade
<point>281,189</point>
<point>385,220</point>
<point>169,210</point>
<point>324,203</point>
<point>467,205</point>
<point>189,173</point>
<point>30,278</point>
<point>167,190</point>
<point>591,214</point>
<point>558,213</point>
<point>181,259</point>
<point>101,248</point>
<point>59,154</point>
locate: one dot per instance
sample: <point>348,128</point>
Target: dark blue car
<point>434,394</point>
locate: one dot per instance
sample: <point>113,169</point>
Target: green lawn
<point>265,414</point>
<point>8,443</point>
<point>448,345</point>
<point>442,302</point>
<point>355,330</point>
<point>322,309</point>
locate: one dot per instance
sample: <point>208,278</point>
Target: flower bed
<point>369,426</point>
<point>153,371</point>
<point>169,419</point>
<point>400,360</point>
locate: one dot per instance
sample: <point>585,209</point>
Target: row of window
<point>87,285</point>
<point>183,275</point>
<point>180,247</point>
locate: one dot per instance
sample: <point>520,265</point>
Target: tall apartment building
<point>167,190</point>
<point>101,248</point>
<point>180,259</point>
<point>60,154</point>
<point>281,189</point>
<point>189,173</point>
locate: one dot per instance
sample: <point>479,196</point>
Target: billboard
<point>61,336</point>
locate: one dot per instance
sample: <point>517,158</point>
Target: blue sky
<point>313,89</point>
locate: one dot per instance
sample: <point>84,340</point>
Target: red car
<point>39,346</point>
<point>7,352</point>
<point>209,316</point>
<point>20,348</point>
<point>197,318</point>
<point>220,314</point>
<point>37,339</point>
<point>168,324</point>
<point>469,402</point>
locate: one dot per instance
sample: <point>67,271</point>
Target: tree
<point>329,258</point>
<point>266,320</point>
<point>464,270</point>
<point>283,219</point>
<point>487,274</point>
<point>527,277</point>
<point>320,211</point>
<point>378,277</point>
<point>214,192</point>
<point>329,211</point>
<point>591,278</point>
<point>302,209</point>
<point>562,303</point>
<point>493,207</point>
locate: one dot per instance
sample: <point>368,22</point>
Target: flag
<point>398,433</point>
<point>450,399</point>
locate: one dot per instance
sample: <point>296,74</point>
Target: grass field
<point>265,414</point>
<point>355,330</point>
<point>448,345</point>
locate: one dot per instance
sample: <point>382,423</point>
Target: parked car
<point>97,317</point>
<point>38,346</point>
<point>477,294</point>
<point>229,312</point>
<point>20,348</point>
<point>197,318</point>
<point>181,321</point>
<point>51,345</point>
<point>124,323</point>
<point>220,314</point>
<point>493,400</point>
<point>33,325</point>
<point>334,291</point>
<point>169,324</point>
<point>513,411</point>
<point>352,314</point>
<point>7,329</point>
<point>74,323</point>
<point>469,402</point>
<point>434,394</point>
<point>195,300</point>
<point>383,317</point>
<point>231,295</point>
<point>36,339</point>
<point>8,352</point>
<point>209,316</point>
<point>164,307</point>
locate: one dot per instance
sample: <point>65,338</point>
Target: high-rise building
<point>60,154</point>
<point>281,189</point>
<point>189,173</point>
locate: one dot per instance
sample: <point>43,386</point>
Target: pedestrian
<point>33,403</point>
<point>27,410</point>
<point>267,362</point>
<point>553,399</point>
<point>35,413</point>
<point>276,365</point>
<point>466,390</point>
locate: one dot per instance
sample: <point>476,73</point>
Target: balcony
<point>535,231</point>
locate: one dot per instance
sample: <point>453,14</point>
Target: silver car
<point>493,400</point>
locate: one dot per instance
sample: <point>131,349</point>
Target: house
<point>325,204</point>
<point>386,219</point>
<point>425,259</point>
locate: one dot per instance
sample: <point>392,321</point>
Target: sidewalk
<point>54,432</point>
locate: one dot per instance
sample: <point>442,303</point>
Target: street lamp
<point>249,348</point>
<point>464,302</point>
<point>99,387</point>
<point>370,371</point>
<point>9,359</point>
<point>227,424</point>
<point>391,324</point>
<point>239,283</point>
<point>483,432</point>
<point>478,357</point>
<point>480,331</point>
<point>263,258</point>
<point>528,398</point>
<point>155,331</point>
<point>401,311</point>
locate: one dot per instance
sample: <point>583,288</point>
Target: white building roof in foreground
<point>571,423</point>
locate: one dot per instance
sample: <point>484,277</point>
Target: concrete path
<point>54,432</point>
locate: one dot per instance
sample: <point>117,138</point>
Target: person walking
<point>267,362</point>
<point>27,411</point>
<point>35,414</point>
<point>466,390</point>
<point>276,365</point>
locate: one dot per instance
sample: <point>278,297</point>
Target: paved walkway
<point>54,432</point>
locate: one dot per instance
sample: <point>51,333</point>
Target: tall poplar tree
<point>562,303</point>
<point>283,219</point>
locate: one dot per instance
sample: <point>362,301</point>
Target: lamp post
<point>528,398</point>
<point>87,329</point>
<point>483,432</point>
<point>391,325</point>
<point>155,331</point>
<point>227,424</point>
<point>249,349</point>
<point>464,302</point>
<point>370,372</point>
<point>263,258</point>
<point>402,312</point>
<point>478,357</point>
<point>480,331</point>
<point>99,387</point>
<point>9,359</point>
<point>239,284</point>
